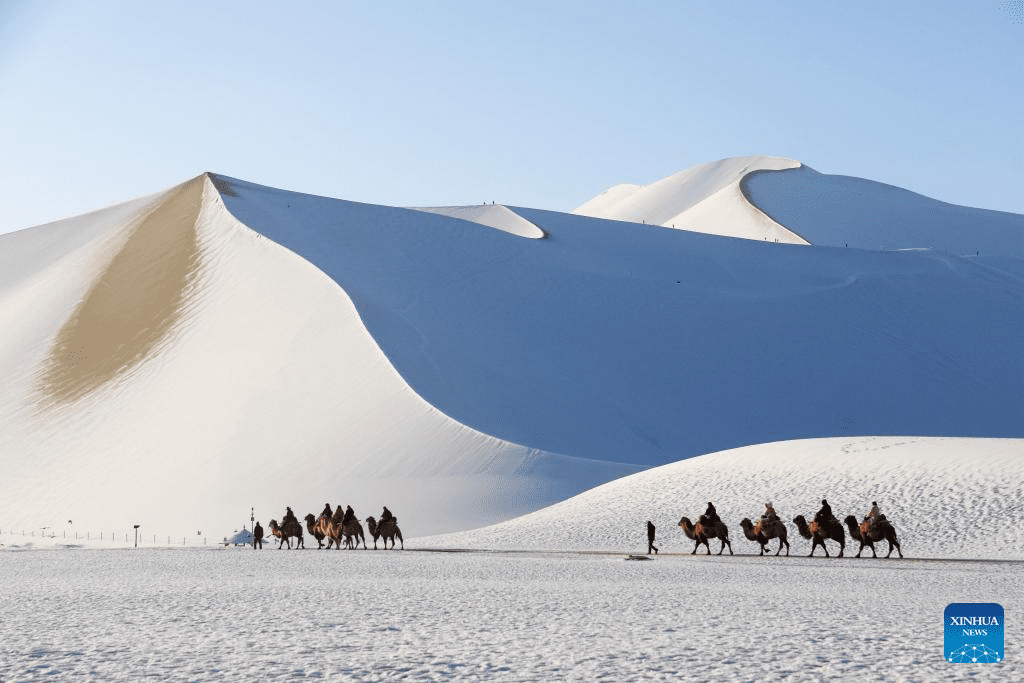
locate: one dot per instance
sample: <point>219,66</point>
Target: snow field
<point>356,615</point>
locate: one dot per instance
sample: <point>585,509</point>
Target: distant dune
<point>705,198</point>
<point>180,359</point>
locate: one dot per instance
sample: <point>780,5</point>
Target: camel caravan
<point>825,527</point>
<point>336,527</point>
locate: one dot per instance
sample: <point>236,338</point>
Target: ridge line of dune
<point>746,198</point>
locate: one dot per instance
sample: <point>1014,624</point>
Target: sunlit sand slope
<point>176,368</point>
<point>705,198</point>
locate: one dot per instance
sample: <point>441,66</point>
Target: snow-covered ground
<point>179,360</point>
<point>239,614</point>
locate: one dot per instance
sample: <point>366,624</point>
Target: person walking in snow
<point>257,537</point>
<point>650,538</point>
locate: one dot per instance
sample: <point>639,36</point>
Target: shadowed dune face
<point>133,307</point>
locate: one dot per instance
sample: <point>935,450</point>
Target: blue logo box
<point>973,633</point>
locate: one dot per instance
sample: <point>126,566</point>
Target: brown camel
<point>388,529</point>
<point>869,534</point>
<point>286,533</point>
<point>702,532</point>
<point>333,527</point>
<point>762,533</point>
<point>353,532</point>
<point>819,533</point>
<point>314,530</point>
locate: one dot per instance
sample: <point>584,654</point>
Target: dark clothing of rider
<point>824,514</point>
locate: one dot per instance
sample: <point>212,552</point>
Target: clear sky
<point>539,104</point>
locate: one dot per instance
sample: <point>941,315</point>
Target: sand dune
<point>945,497</point>
<point>705,198</point>
<point>220,346</point>
<point>491,215</point>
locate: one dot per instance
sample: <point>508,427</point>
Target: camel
<point>285,533</point>
<point>868,534</point>
<point>312,526</point>
<point>388,529</point>
<point>702,532</point>
<point>353,532</point>
<point>762,533</point>
<point>819,533</point>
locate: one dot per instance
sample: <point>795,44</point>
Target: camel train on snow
<point>337,526</point>
<point>874,529</point>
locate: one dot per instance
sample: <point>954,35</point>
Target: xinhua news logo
<point>973,633</point>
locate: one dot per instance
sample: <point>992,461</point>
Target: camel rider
<point>710,516</point>
<point>328,512</point>
<point>769,514</point>
<point>349,515</point>
<point>386,515</point>
<point>289,518</point>
<point>824,515</point>
<point>874,515</point>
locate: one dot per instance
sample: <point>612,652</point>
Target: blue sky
<point>534,104</point>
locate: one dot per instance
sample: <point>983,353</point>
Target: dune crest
<point>704,198</point>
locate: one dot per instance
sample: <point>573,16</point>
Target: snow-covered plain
<point>240,614</point>
<point>179,359</point>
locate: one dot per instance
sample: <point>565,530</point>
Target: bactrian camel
<point>315,530</point>
<point>388,529</point>
<point>819,533</point>
<point>285,533</point>
<point>763,532</point>
<point>702,532</point>
<point>869,534</point>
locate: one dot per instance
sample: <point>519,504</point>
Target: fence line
<point>126,538</point>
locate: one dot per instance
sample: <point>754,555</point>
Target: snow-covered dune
<point>631,343</point>
<point>833,210</point>
<point>220,346</point>
<point>491,215</point>
<point>166,365</point>
<point>945,498</point>
<point>704,198</point>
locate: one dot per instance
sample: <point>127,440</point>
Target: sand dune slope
<point>186,369</point>
<point>181,359</point>
<point>945,497</point>
<point>705,198</point>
